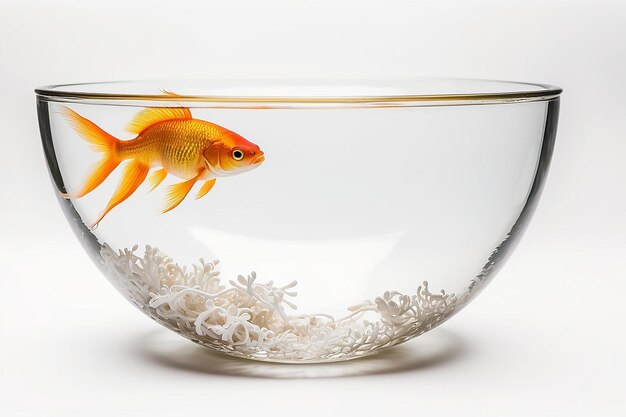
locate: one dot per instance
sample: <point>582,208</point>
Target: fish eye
<point>237,154</point>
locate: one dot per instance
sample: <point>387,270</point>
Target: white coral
<point>248,318</point>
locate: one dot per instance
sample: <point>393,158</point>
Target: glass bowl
<point>299,222</point>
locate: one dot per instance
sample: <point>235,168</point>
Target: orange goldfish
<point>172,141</point>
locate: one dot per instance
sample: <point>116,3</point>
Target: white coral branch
<point>249,318</point>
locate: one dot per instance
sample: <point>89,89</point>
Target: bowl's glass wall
<point>350,203</point>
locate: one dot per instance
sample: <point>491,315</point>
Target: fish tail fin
<point>134,175</point>
<point>101,142</point>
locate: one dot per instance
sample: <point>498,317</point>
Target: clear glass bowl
<point>378,208</point>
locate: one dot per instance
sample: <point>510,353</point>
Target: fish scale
<point>176,145</point>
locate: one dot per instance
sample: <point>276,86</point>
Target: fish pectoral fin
<point>152,115</point>
<point>206,187</point>
<point>156,178</point>
<point>134,174</point>
<point>176,193</point>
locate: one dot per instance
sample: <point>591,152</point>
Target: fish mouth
<point>258,159</point>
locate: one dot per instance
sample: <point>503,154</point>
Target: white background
<point>547,336</point>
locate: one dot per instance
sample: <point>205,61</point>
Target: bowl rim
<point>72,92</point>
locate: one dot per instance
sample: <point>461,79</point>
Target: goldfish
<point>169,141</point>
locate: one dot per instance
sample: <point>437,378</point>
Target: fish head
<point>232,155</point>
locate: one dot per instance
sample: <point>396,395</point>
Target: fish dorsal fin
<point>152,115</point>
<point>169,93</point>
